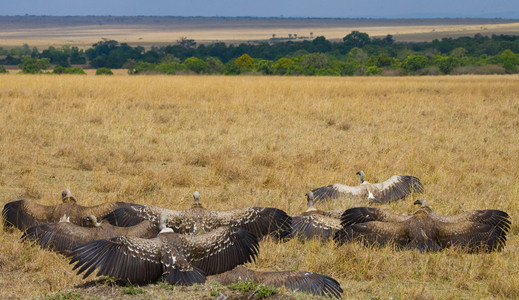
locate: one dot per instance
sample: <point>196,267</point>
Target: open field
<point>42,32</point>
<point>265,141</point>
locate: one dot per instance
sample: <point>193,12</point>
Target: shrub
<point>104,71</point>
<point>373,70</point>
<point>3,70</point>
<point>32,65</point>
<point>68,70</point>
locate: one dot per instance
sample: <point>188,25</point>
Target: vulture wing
<point>60,237</point>
<point>367,214</point>
<point>301,281</point>
<point>397,187</point>
<point>294,280</point>
<point>472,236</point>
<point>220,250</point>
<point>490,217</point>
<point>136,260</point>
<point>261,221</point>
<point>130,215</point>
<point>23,214</point>
<point>374,233</point>
<point>315,226</point>
<point>101,210</point>
<point>337,190</point>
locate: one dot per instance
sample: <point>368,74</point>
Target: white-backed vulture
<point>314,223</point>
<point>395,188</point>
<point>24,214</point>
<point>300,281</point>
<point>477,230</point>
<point>260,221</point>
<point>182,259</point>
<point>62,237</point>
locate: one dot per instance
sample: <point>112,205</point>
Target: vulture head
<point>361,174</point>
<point>66,196</point>
<point>196,196</point>
<point>420,201</point>
<point>310,200</point>
<point>91,221</point>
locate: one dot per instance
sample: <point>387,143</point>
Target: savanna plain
<point>264,141</point>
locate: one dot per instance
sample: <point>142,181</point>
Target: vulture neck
<point>361,174</point>
<point>311,206</point>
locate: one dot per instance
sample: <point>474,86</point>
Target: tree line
<point>356,54</point>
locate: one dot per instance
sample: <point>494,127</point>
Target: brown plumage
<point>182,259</point>
<point>301,281</point>
<point>24,214</point>
<point>395,188</point>
<point>477,230</point>
<point>260,221</point>
<point>314,223</point>
<point>62,237</point>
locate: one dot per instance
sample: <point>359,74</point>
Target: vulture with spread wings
<point>314,223</point>
<point>395,188</point>
<point>182,259</point>
<point>477,230</point>
<point>261,221</point>
<point>24,214</point>
<point>300,281</point>
<point>62,237</point>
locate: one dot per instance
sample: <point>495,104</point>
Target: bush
<point>32,65</point>
<point>196,65</point>
<point>68,70</point>
<point>3,70</point>
<point>373,70</point>
<point>104,71</point>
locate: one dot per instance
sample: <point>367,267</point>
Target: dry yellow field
<point>42,32</point>
<point>243,141</point>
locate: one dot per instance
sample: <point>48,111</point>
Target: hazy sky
<point>268,8</point>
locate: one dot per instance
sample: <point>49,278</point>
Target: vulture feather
<point>24,214</point>
<point>473,231</point>
<point>314,223</point>
<point>62,237</point>
<point>395,188</point>
<point>300,281</point>
<point>182,259</point>
<point>261,221</point>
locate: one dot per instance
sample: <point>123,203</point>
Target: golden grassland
<point>44,33</point>
<point>243,141</point>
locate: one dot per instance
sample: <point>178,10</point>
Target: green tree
<point>356,39</point>
<point>509,60</point>
<point>447,63</point>
<point>104,71</point>
<point>215,65</point>
<point>196,65</point>
<point>245,62</point>
<point>282,65</point>
<point>373,70</point>
<point>414,63</point>
<point>31,65</point>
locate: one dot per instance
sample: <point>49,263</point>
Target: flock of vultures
<point>142,243</point>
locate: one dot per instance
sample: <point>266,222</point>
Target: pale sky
<point>268,8</point>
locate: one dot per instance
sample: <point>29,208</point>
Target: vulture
<point>300,281</point>
<point>314,223</point>
<point>24,214</point>
<point>62,237</point>
<point>182,259</point>
<point>261,221</point>
<point>395,188</point>
<point>473,231</point>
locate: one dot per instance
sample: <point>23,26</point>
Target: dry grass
<point>55,31</point>
<point>245,141</point>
